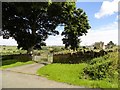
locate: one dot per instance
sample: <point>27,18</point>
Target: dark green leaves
<point>77,26</point>
<point>30,23</point>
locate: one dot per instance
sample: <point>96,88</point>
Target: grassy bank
<point>6,63</point>
<point>72,73</point>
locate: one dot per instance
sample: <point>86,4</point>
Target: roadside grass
<point>6,64</point>
<point>70,73</point>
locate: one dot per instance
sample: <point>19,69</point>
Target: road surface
<point>25,77</point>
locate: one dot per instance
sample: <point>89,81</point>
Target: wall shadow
<point>10,59</point>
<point>78,57</point>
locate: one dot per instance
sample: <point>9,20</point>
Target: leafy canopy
<point>77,26</point>
<point>30,23</point>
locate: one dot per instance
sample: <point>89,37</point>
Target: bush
<point>105,67</point>
<point>97,71</point>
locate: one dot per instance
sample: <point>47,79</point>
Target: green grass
<point>7,65</point>
<point>9,50</point>
<point>70,73</point>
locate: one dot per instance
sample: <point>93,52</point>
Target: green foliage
<point>110,44</point>
<point>69,73</point>
<point>32,26</point>
<point>77,26</point>
<point>24,25</point>
<point>105,67</point>
<point>13,63</point>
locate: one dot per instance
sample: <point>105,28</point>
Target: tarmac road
<point>25,77</point>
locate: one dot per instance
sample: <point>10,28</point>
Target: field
<point>8,50</point>
<point>100,72</point>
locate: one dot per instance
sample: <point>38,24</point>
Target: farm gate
<point>45,57</point>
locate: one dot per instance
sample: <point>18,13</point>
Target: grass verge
<point>70,73</point>
<point>13,64</point>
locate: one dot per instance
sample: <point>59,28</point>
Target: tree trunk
<point>30,50</point>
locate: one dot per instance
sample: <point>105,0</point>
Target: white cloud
<point>107,8</point>
<point>54,40</point>
<point>106,33</point>
<point>98,36</point>
<point>10,41</point>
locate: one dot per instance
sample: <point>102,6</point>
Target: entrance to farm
<point>45,57</point>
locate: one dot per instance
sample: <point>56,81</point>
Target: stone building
<point>99,45</point>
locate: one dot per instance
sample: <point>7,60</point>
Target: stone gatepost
<point>50,57</point>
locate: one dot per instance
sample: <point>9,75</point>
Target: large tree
<point>26,22</point>
<point>30,23</point>
<point>111,44</point>
<point>77,26</point>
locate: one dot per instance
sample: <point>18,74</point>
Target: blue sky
<point>91,8</point>
<point>103,21</point>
